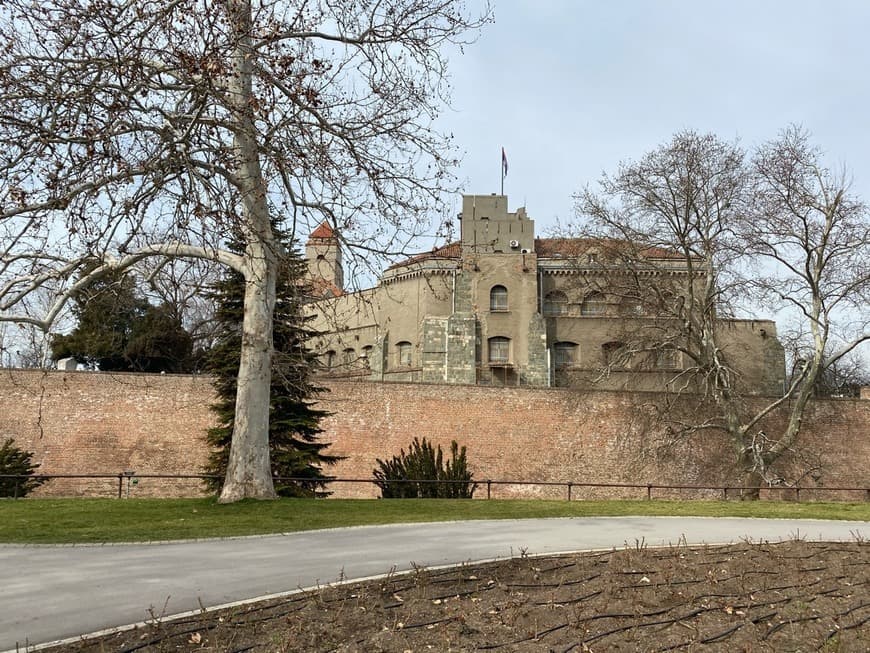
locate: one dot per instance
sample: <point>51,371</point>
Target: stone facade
<point>502,307</point>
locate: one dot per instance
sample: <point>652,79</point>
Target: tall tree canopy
<point>776,229</point>
<point>118,330</point>
<point>141,129</point>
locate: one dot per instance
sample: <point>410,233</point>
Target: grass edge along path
<point>74,521</point>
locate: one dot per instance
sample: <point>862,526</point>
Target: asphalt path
<point>49,593</point>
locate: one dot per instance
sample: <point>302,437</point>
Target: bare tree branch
<point>134,130</point>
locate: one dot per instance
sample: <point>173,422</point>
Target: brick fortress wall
<point>89,422</point>
<point>104,423</point>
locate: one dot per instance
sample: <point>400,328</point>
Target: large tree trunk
<point>753,481</point>
<point>249,472</point>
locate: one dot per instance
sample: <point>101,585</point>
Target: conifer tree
<point>118,330</point>
<point>294,448</point>
<point>17,462</point>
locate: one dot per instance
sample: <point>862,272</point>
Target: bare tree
<point>814,237</point>
<point>182,286</point>
<point>135,129</point>
<point>667,223</point>
<point>841,379</point>
<point>26,345</point>
<point>699,233</point>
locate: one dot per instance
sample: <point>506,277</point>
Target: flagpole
<point>503,169</point>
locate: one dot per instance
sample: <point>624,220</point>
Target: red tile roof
<point>571,247</point>
<point>323,289</point>
<point>449,251</point>
<point>323,231</point>
<point>546,248</point>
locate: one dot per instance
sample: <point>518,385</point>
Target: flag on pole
<point>504,165</point>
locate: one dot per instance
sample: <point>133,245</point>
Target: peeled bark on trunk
<point>249,472</point>
<point>753,480</point>
<point>249,469</point>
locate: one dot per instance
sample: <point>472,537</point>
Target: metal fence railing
<point>121,484</point>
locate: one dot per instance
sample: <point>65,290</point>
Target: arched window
<point>348,356</point>
<point>498,298</point>
<point>499,350</point>
<point>593,304</point>
<point>329,359</point>
<point>565,354</point>
<point>403,354</point>
<point>555,303</point>
<point>615,354</point>
<point>366,354</point>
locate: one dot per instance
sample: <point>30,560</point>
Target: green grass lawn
<point>139,520</point>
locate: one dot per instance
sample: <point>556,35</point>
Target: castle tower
<point>488,227</point>
<point>500,282</point>
<point>323,255</point>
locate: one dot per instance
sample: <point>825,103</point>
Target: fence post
<point>120,485</point>
<point>15,490</point>
<point>648,491</point>
<point>569,491</point>
<point>797,493</point>
<point>488,487</point>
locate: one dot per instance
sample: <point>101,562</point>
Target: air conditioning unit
<point>525,251</point>
<point>515,244</point>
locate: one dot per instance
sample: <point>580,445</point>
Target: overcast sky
<point>571,87</point>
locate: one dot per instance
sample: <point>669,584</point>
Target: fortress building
<point>502,307</point>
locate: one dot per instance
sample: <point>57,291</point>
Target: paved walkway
<point>54,592</point>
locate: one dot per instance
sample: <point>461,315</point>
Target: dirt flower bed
<point>791,596</point>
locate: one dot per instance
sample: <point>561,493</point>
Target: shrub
<point>16,462</point>
<point>424,463</point>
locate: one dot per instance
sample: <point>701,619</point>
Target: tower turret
<point>323,255</point>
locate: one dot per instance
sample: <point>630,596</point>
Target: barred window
<point>403,354</point>
<point>667,358</point>
<point>593,304</point>
<point>565,354</point>
<point>499,350</point>
<point>498,298</point>
<point>555,303</point>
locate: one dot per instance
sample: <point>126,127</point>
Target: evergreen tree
<point>16,462</point>
<point>294,449</point>
<point>118,330</point>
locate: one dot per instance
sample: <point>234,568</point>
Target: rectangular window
<point>404,354</point>
<point>566,354</point>
<point>499,350</point>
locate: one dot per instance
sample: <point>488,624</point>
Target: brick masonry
<point>79,422</point>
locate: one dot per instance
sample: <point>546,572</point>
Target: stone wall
<point>78,422</point>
